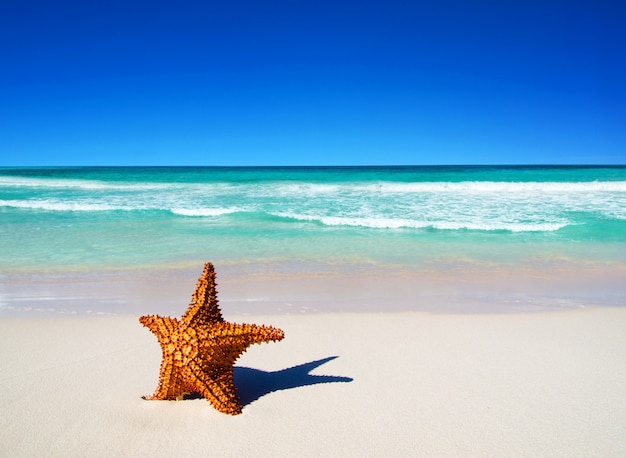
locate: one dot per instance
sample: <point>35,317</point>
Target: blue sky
<point>312,83</point>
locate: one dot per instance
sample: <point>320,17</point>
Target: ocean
<point>81,220</point>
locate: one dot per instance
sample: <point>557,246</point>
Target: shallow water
<point>63,223</point>
<point>72,218</point>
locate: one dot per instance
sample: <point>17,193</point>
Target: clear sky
<point>263,82</point>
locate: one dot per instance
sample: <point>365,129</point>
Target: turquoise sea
<point>92,218</point>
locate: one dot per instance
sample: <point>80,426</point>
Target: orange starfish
<point>200,348</point>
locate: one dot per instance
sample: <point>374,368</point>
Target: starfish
<point>200,348</point>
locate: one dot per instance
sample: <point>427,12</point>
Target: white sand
<point>535,384</point>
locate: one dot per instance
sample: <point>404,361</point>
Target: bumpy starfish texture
<point>200,348</point>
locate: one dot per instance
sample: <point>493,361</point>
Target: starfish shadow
<point>254,383</point>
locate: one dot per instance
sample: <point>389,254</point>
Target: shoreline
<point>291,288</point>
<point>368,384</point>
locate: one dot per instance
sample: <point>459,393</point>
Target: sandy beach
<point>339,384</point>
<point>427,198</point>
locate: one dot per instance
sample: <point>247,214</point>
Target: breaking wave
<point>399,223</point>
<point>515,206</point>
<point>204,212</point>
<point>62,206</point>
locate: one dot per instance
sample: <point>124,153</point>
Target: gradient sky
<point>237,82</point>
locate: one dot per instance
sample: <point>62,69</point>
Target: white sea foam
<point>312,189</point>
<point>399,223</point>
<point>101,207</point>
<point>80,184</point>
<point>204,211</point>
<point>473,205</point>
<point>464,187</point>
<point>61,206</point>
<point>306,189</point>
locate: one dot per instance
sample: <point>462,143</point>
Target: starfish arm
<point>229,341</point>
<point>245,334</point>
<point>217,386</point>
<point>204,305</point>
<point>159,325</point>
<point>170,382</point>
